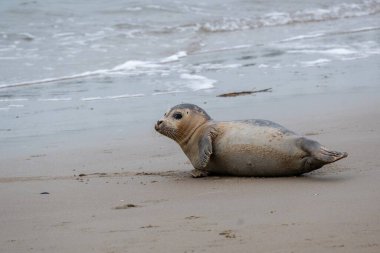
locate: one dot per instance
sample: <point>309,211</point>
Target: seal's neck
<point>191,132</point>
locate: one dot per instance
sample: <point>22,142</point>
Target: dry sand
<point>335,209</point>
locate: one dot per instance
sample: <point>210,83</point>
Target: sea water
<point>70,69</point>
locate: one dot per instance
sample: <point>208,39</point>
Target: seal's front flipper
<point>203,149</point>
<point>198,173</point>
<point>319,154</point>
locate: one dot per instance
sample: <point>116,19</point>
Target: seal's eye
<point>177,115</point>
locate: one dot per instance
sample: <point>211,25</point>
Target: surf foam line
<point>131,67</point>
<point>52,80</point>
<point>333,12</point>
<point>325,34</point>
<point>113,97</point>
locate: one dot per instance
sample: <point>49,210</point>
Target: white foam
<point>333,12</point>
<point>339,51</point>
<point>16,106</point>
<point>13,99</point>
<point>196,82</point>
<point>112,97</point>
<point>167,92</point>
<point>133,65</point>
<point>365,29</point>
<point>133,8</point>
<point>322,34</point>
<point>263,66</point>
<point>126,68</point>
<point>57,79</point>
<point>302,37</point>
<point>54,99</point>
<point>125,96</point>
<point>317,62</point>
<point>174,57</point>
<point>91,98</point>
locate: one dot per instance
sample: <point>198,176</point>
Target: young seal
<point>242,148</point>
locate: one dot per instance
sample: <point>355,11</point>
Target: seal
<point>259,148</point>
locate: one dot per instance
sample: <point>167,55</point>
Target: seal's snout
<point>157,126</point>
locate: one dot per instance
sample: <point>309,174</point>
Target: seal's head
<point>180,122</point>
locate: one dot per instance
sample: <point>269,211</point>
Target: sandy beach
<point>83,84</point>
<point>139,196</point>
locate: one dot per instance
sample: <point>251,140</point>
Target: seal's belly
<point>247,150</point>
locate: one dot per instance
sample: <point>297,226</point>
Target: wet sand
<point>136,195</point>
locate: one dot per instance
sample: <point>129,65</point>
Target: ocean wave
<point>167,92</point>
<point>323,34</point>
<point>339,11</point>
<point>317,62</point>
<point>237,47</point>
<point>331,51</point>
<point>125,96</point>
<point>344,52</point>
<point>56,79</point>
<point>112,97</point>
<point>13,99</point>
<point>16,106</point>
<point>215,67</point>
<point>196,82</point>
<point>270,19</point>
<point>54,99</point>
<point>133,65</point>
<point>129,67</point>
<point>302,37</point>
<point>174,57</point>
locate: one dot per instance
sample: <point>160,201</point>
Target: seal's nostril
<point>159,122</point>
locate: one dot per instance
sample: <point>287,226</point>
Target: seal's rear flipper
<point>320,154</point>
<point>328,156</point>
